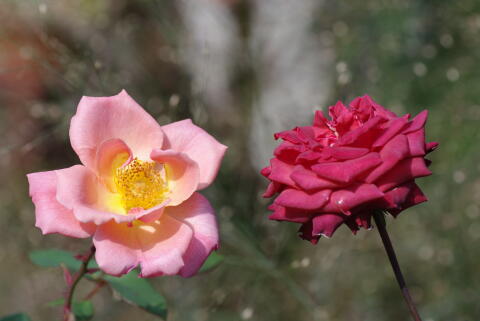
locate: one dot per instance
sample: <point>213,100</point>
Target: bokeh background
<point>243,70</point>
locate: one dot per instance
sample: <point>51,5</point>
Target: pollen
<point>140,184</point>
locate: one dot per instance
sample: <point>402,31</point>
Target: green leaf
<point>139,292</point>
<point>212,261</point>
<point>16,317</point>
<point>54,258</point>
<point>55,303</point>
<point>83,310</point>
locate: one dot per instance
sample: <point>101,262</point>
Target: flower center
<point>140,184</point>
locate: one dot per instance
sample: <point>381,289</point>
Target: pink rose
<point>135,192</point>
<point>341,170</point>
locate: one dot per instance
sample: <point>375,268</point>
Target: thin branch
<point>67,308</point>
<point>382,229</point>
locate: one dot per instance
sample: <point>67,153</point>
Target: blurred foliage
<point>408,55</point>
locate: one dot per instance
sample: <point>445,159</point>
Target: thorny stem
<point>67,308</point>
<point>382,229</point>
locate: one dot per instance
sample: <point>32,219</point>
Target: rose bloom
<point>365,158</point>
<point>136,190</point>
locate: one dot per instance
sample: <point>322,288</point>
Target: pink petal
<point>355,135</point>
<point>309,181</point>
<point>413,197</point>
<point>79,190</point>
<point>320,225</point>
<point>393,152</point>
<point>51,216</point>
<point>182,174</point>
<point>345,172</point>
<point>287,152</point>
<point>344,152</point>
<point>282,213</point>
<point>280,172</point>
<point>197,213</point>
<point>417,123</point>
<point>366,102</point>
<point>342,201</point>
<point>183,136</point>
<point>272,189</point>
<point>430,147</point>
<point>158,247</point>
<point>393,127</point>
<point>405,171</point>
<point>102,118</point>
<point>299,199</point>
<point>416,142</point>
<point>111,154</point>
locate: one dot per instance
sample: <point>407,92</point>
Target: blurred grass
<point>408,55</point>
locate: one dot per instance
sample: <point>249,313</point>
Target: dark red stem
<point>67,308</point>
<point>382,229</point>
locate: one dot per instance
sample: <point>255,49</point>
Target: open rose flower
<point>135,192</point>
<point>365,158</point>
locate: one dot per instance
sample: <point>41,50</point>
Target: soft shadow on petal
<point>182,174</point>
<point>111,154</point>
<point>405,171</point>
<point>50,215</point>
<point>200,216</point>
<point>158,247</point>
<point>299,199</point>
<point>102,118</point>
<point>183,136</point>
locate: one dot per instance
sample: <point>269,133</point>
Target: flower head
<point>364,158</point>
<point>135,192</point>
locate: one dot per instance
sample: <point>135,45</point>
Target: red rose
<point>337,171</point>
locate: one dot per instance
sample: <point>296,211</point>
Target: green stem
<point>382,229</point>
<point>67,308</point>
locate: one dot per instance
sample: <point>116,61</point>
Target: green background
<point>408,55</point>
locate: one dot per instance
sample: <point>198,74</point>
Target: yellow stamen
<point>140,184</point>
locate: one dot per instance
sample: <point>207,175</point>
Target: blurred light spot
<point>305,262</point>
<point>448,222</point>
<point>474,230</point>
<point>54,112</point>
<point>453,74</point>
<point>439,288</point>
<point>42,8</point>
<point>247,313</point>
<point>459,176</point>
<point>445,256</point>
<point>174,100</point>
<point>419,69</point>
<point>226,212</point>
<point>326,38</point>
<point>97,64</point>
<point>472,211</point>
<point>426,252</point>
<point>341,67</point>
<point>37,110</point>
<point>417,293</point>
<point>26,52</point>
<point>429,51</point>
<point>340,28</point>
<point>321,314</point>
<point>446,40</point>
<point>295,264</point>
<point>344,78</point>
